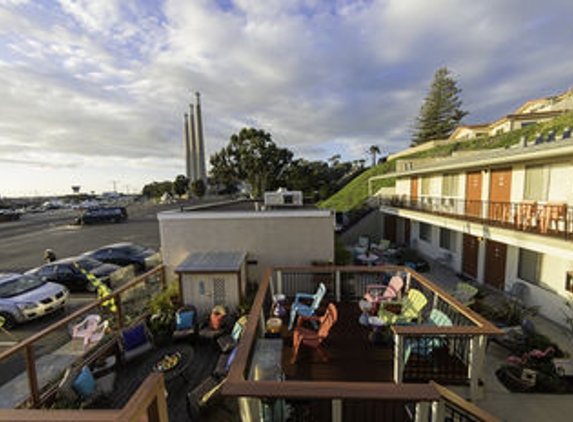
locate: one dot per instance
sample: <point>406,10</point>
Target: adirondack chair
<point>465,293</point>
<point>412,306</point>
<point>299,307</point>
<point>424,346</point>
<point>312,338</point>
<point>376,293</point>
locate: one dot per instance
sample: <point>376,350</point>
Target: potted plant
<point>161,322</point>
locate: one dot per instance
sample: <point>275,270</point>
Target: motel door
<point>473,194</point>
<point>413,189</point>
<point>500,195</point>
<point>470,256</point>
<point>495,257</point>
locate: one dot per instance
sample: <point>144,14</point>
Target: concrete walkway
<point>496,399</point>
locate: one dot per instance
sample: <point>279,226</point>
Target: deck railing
<point>262,392</point>
<point>129,303</point>
<point>546,218</point>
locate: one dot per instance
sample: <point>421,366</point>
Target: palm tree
<point>373,151</point>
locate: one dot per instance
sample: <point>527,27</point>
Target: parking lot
<point>22,244</point>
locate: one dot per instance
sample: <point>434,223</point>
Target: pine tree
<point>441,111</point>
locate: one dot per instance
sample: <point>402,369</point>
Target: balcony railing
<point>263,389</point>
<point>546,218</point>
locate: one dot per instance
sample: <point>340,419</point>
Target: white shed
<point>207,279</point>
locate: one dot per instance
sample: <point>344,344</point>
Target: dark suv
<point>103,215</point>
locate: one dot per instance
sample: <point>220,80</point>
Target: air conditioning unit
<point>283,198</point>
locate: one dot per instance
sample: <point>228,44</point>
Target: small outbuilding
<point>207,279</point>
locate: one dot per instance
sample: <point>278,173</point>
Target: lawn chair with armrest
<point>465,293</point>
<point>135,341</point>
<point>411,308</point>
<point>314,338</point>
<point>185,322</point>
<point>299,307</point>
<point>424,346</point>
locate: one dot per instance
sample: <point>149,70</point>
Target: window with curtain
<point>529,266</point>
<point>536,183</point>
<point>425,232</point>
<point>447,239</point>
<point>425,186</point>
<point>450,183</point>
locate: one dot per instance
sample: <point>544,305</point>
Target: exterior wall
<point>403,187</point>
<point>268,237</point>
<point>197,289</point>
<point>561,182</point>
<point>433,250</point>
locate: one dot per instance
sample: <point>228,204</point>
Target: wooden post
<point>336,410</point>
<point>32,375</point>
<point>398,358</point>
<point>337,284</point>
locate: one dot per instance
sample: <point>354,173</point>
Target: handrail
<point>465,405</point>
<point>151,390</point>
<point>66,320</point>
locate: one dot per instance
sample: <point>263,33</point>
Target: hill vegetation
<point>355,194</point>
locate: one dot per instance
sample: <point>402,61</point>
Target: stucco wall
<point>269,237</point>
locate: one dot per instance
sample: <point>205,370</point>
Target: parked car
<point>65,272</point>
<point>103,215</point>
<point>24,297</point>
<point>123,254</point>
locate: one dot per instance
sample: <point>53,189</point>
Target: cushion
<point>134,337</point>
<point>84,384</point>
<point>216,320</point>
<point>185,320</point>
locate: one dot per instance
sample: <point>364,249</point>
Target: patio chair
<point>312,338</point>
<point>465,293</point>
<point>91,329</point>
<point>80,386</point>
<point>376,293</point>
<point>411,308</point>
<point>217,324</point>
<point>229,341</point>
<point>362,245</point>
<point>299,307</point>
<point>135,341</point>
<point>424,346</point>
<point>185,322</point>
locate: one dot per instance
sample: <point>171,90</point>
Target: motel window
<point>529,266</point>
<point>536,183</point>
<point>425,232</point>
<point>450,185</point>
<point>425,186</point>
<point>447,239</point>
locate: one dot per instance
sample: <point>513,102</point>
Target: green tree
<point>374,150</point>
<point>198,188</point>
<point>441,111</point>
<point>180,185</point>
<point>157,189</point>
<point>252,157</point>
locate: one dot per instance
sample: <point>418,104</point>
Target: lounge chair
<point>91,329</point>
<point>465,293</point>
<point>299,307</point>
<point>135,341</point>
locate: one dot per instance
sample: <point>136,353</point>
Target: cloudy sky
<point>93,92</point>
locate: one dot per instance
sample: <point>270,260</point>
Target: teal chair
<point>424,346</point>
<point>299,307</point>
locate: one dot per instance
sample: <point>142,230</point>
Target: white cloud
<point>112,79</point>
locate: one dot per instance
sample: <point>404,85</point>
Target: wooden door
<point>470,256</point>
<point>414,189</point>
<point>473,194</point>
<point>495,258</point>
<point>500,195</point>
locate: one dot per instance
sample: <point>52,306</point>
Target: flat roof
<point>212,262</point>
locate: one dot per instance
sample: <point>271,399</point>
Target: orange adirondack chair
<point>312,338</point>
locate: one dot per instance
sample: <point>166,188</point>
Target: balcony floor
<point>353,357</point>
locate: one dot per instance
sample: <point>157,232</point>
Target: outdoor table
<point>185,358</point>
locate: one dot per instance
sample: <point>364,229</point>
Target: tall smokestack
<point>192,146</point>
<point>200,146</point>
<point>187,149</point>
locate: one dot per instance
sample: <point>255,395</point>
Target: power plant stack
<point>194,143</point>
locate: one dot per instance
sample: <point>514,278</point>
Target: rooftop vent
<point>283,198</point>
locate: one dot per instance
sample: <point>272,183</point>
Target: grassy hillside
<point>355,194</point>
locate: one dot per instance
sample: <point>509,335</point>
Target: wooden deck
<point>353,357</point>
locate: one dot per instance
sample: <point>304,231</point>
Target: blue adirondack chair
<point>299,307</point>
<point>424,346</point>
